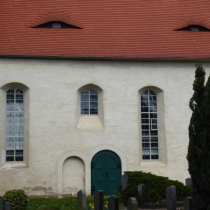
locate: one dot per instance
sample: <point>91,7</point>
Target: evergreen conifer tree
<point>199,145</point>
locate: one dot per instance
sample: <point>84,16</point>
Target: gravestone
<point>142,193</point>
<point>188,182</point>
<point>7,206</point>
<point>99,200</point>
<point>132,204</point>
<point>1,203</point>
<point>81,198</point>
<point>113,203</point>
<point>171,197</point>
<point>187,203</point>
<point>124,181</point>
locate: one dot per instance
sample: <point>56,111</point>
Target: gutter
<point>105,58</point>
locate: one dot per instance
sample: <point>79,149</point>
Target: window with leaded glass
<point>89,102</point>
<point>14,125</point>
<point>149,125</point>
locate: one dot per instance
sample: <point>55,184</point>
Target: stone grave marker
<point>142,193</point>
<point>188,182</point>
<point>99,200</point>
<point>171,197</point>
<point>187,203</point>
<point>113,203</point>
<point>81,198</point>
<point>124,181</point>
<point>7,206</point>
<point>132,204</point>
<point>1,203</point>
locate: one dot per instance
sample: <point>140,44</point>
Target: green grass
<point>69,203</point>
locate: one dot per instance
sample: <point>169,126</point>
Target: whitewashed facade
<point>59,142</point>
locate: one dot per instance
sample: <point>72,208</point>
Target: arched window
<point>89,102</point>
<point>149,125</point>
<point>14,125</point>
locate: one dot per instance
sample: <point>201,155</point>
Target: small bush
<point>155,187</point>
<point>17,198</point>
<point>154,197</point>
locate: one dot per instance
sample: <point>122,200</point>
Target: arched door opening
<point>73,175</point>
<point>106,172</point>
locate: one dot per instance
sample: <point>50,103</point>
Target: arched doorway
<point>105,172</point>
<point>73,175</point>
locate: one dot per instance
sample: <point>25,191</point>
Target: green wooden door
<point>105,172</point>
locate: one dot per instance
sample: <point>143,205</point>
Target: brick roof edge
<point>105,58</point>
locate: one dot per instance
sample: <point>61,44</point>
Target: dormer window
<point>57,24</point>
<point>193,28</point>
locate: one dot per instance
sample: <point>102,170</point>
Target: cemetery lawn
<point>69,203</point>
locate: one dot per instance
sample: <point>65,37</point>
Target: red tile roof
<point>110,28</point>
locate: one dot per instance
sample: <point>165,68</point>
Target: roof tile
<point>120,28</point>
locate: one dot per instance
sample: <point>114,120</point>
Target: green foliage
<point>155,187</point>
<point>199,144</point>
<point>17,198</point>
<point>68,203</point>
<point>153,196</point>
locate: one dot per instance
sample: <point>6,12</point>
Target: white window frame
<point>89,102</point>
<point>152,156</point>
<point>154,124</point>
<point>3,91</point>
<point>160,123</point>
<point>14,136</point>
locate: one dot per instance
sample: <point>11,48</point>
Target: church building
<point>91,89</point>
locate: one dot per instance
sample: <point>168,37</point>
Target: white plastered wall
<point>53,117</point>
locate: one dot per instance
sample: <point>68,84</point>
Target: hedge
<point>155,187</point>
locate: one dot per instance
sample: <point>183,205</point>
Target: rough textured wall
<point>53,116</point>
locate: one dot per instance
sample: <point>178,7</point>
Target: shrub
<point>199,144</point>
<point>17,198</point>
<point>153,196</point>
<point>155,187</point>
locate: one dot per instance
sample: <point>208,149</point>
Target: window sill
<point>152,163</point>
<point>9,165</point>
<point>89,123</point>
